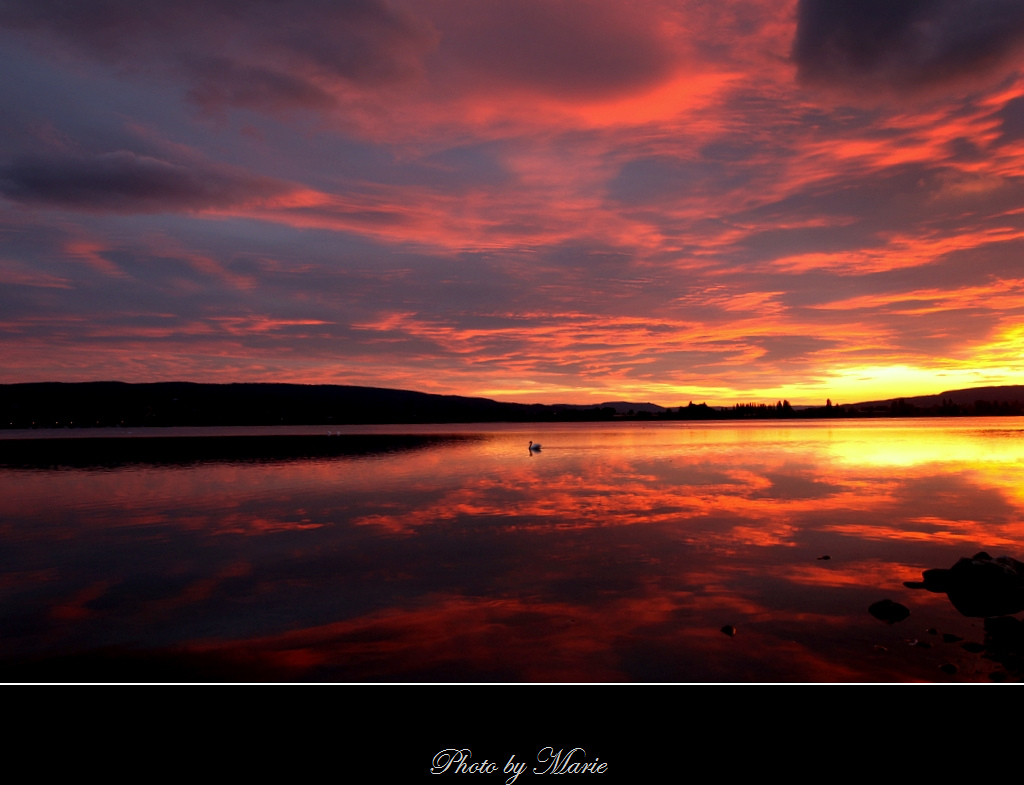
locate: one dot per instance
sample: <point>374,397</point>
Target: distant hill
<point>110,404</point>
<point>620,407</point>
<point>99,404</point>
<point>1007,393</point>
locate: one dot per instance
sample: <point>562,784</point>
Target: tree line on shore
<point>898,407</point>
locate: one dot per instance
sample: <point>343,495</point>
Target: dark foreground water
<point>451,553</point>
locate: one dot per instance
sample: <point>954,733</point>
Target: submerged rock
<point>1004,643</point>
<point>949,637</point>
<point>980,586</point>
<point>888,611</point>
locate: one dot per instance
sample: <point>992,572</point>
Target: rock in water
<point>980,586</point>
<point>888,611</point>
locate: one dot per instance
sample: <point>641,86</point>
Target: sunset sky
<point>530,200</point>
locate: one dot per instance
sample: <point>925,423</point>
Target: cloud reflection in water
<point>616,554</point>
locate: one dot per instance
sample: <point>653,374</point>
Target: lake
<point>656,552</point>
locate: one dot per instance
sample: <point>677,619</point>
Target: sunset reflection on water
<point>617,553</point>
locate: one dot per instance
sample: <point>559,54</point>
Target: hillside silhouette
<point>164,404</point>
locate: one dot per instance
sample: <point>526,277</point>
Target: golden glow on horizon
<point>854,384</point>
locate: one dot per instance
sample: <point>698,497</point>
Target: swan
<point>534,447</point>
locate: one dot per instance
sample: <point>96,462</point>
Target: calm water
<point>618,553</point>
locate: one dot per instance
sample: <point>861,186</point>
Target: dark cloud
<point>259,54</point>
<point>655,179</point>
<point>1012,117</point>
<point>846,214</point>
<point>123,182</point>
<point>568,49</point>
<point>903,43</point>
<point>222,82</point>
<point>792,348</point>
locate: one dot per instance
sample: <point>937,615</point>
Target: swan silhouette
<point>534,447</point>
